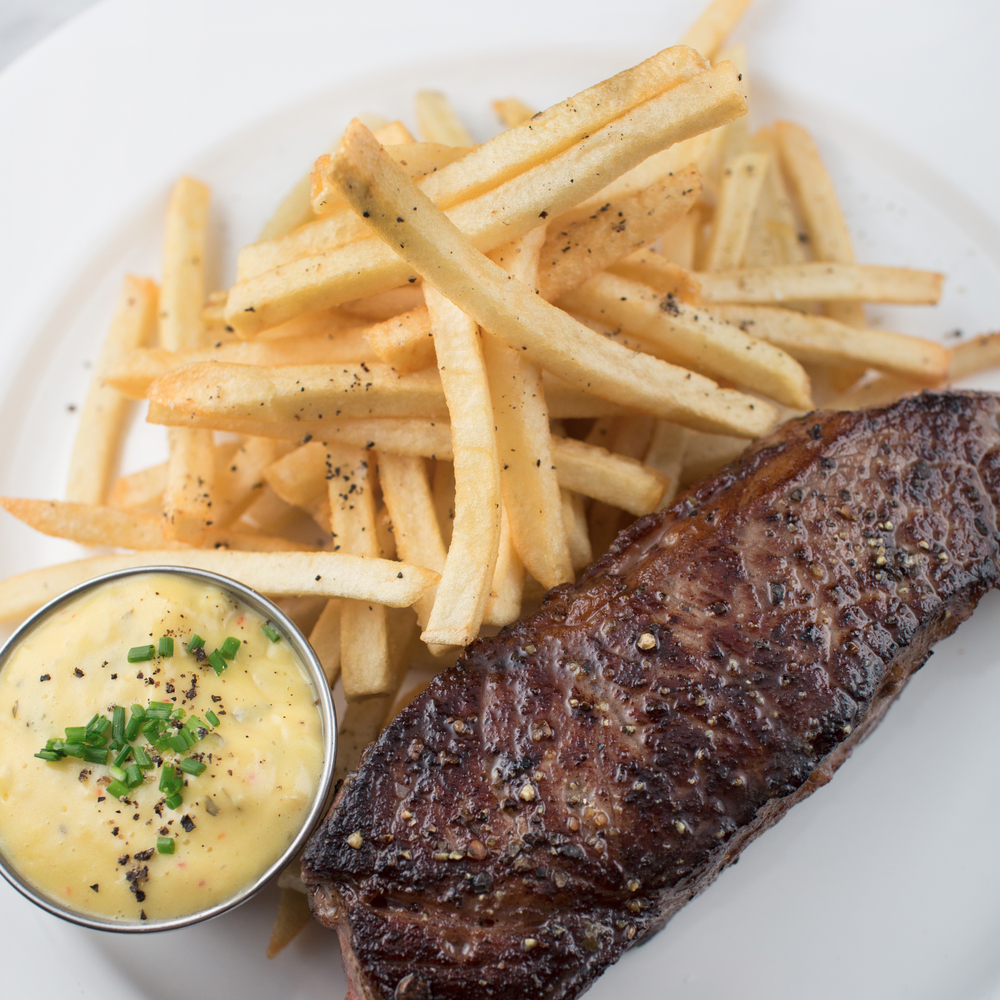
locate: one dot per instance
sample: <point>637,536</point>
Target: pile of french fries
<point>448,374</point>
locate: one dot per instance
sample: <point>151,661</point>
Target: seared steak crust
<point>563,789</point>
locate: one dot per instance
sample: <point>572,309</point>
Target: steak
<point>560,792</point>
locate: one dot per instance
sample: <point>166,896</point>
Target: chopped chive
<point>173,801</point>
<point>273,634</point>
<point>118,724</point>
<point>178,713</point>
<point>141,758</point>
<point>170,780</point>
<point>230,647</point>
<point>165,845</point>
<point>192,766</point>
<point>179,743</point>
<point>123,755</point>
<point>95,755</point>
<point>165,647</point>
<point>135,721</point>
<point>137,654</point>
<point>49,755</point>
<point>98,724</point>
<point>212,717</point>
<point>94,720</point>
<point>195,642</point>
<point>72,749</point>
<point>133,775</point>
<point>117,772</point>
<point>118,789</point>
<point>159,710</point>
<point>193,724</point>
<point>76,734</point>
<point>218,663</point>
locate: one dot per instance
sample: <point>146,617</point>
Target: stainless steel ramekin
<point>324,705</point>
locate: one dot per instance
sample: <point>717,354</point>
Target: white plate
<point>884,884</point>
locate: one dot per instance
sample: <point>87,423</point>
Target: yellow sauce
<point>78,845</point>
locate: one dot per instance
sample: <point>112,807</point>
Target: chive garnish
<point>191,766</point>
<point>195,642</point>
<point>179,743</point>
<point>95,755</point>
<point>170,780</point>
<point>218,663</point>
<point>123,755</point>
<point>165,845</point>
<point>118,788</point>
<point>49,755</point>
<point>133,775</point>
<point>138,654</point>
<point>118,725</point>
<point>212,717</point>
<point>117,771</point>
<point>76,734</point>
<point>135,720</point>
<point>159,710</point>
<point>173,801</point>
<point>72,749</point>
<point>165,647</point>
<point>273,634</point>
<point>230,648</point>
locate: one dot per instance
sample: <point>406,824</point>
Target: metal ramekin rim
<point>324,704</point>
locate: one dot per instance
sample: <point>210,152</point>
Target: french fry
<point>878,392</point>
<point>293,915</point>
<point>742,181</point>
<point>457,613</point>
<point>142,490</point>
<point>102,421</point>
<point>328,574</point>
<point>404,342</point>
<point>443,491</point>
<point>714,25</point>
<point>510,311</point>
<point>687,335</point>
<point>531,501</point>
<point>577,251</point>
<point>825,282</point>
<point>664,276</point>
<point>325,639</point>
<point>183,288</point>
<point>512,111</point>
<point>366,671</point>
<point>819,340</point>
<point>187,499</point>
<point>775,233</point>
<point>439,121</point>
<point>91,524</point>
<point>498,215</point>
<point>680,240</point>
<point>385,305</point>
<point>240,480</point>
<point>972,356</point>
<point>705,453</point>
<point>300,478</point>
<point>503,606</point>
<point>665,454</point>
<point>575,521</point>
<point>406,490</point>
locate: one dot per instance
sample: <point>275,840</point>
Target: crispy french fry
<point>329,574</point>
<point>385,305</point>
<point>270,514</point>
<point>498,215</point>
<point>439,122</point>
<point>187,499</point>
<point>91,524</point>
<point>404,342</point>
<point>102,422</point>
<point>665,454</point>
<point>662,275</point>
<point>971,356</point>
<point>512,111</point>
<point>575,252</point>
<point>504,603</point>
<point>679,241</point>
<point>458,607</point>
<point>183,289</point>
<point>687,335</point>
<point>705,453</point>
<point>878,392</point>
<point>142,490</point>
<point>819,340</point>
<point>239,481</point>
<point>443,491</point>
<point>366,670</point>
<point>406,490</point>
<point>300,478</point>
<point>775,233</point>
<point>742,181</point>
<point>614,479</point>
<point>714,25</point>
<point>293,915</point>
<point>510,311</point>
<point>325,639</point>
<point>575,520</point>
<point>528,480</point>
<point>825,282</point>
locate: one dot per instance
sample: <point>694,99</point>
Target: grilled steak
<point>558,794</point>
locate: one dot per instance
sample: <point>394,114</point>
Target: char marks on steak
<point>561,791</point>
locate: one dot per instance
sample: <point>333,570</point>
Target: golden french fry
<point>458,607</point>
<point>102,422</point>
<point>498,215</point>
<point>182,293</point>
<point>687,335</point>
<point>665,454</point>
<point>662,275</point>
<point>575,252</point>
<point>714,25</point>
<point>329,574</point>
<point>503,606</point>
<point>270,514</point>
<point>705,453</point>
<point>819,340</point>
<point>824,282</point>
<point>532,505</point>
<point>406,490</point>
<point>742,181</point>
<point>142,489</point>
<point>187,499</point>
<point>439,122</point>
<point>878,392</point>
<point>443,491</point>
<point>385,305</point>
<point>512,111</point>
<point>971,356</point>
<point>507,309</point>
<point>325,639</point>
<point>293,915</point>
<point>775,233</point>
<point>575,521</point>
<point>240,480</point>
<point>679,243</point>
<point>91,524</point>
<point>404,342</point>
